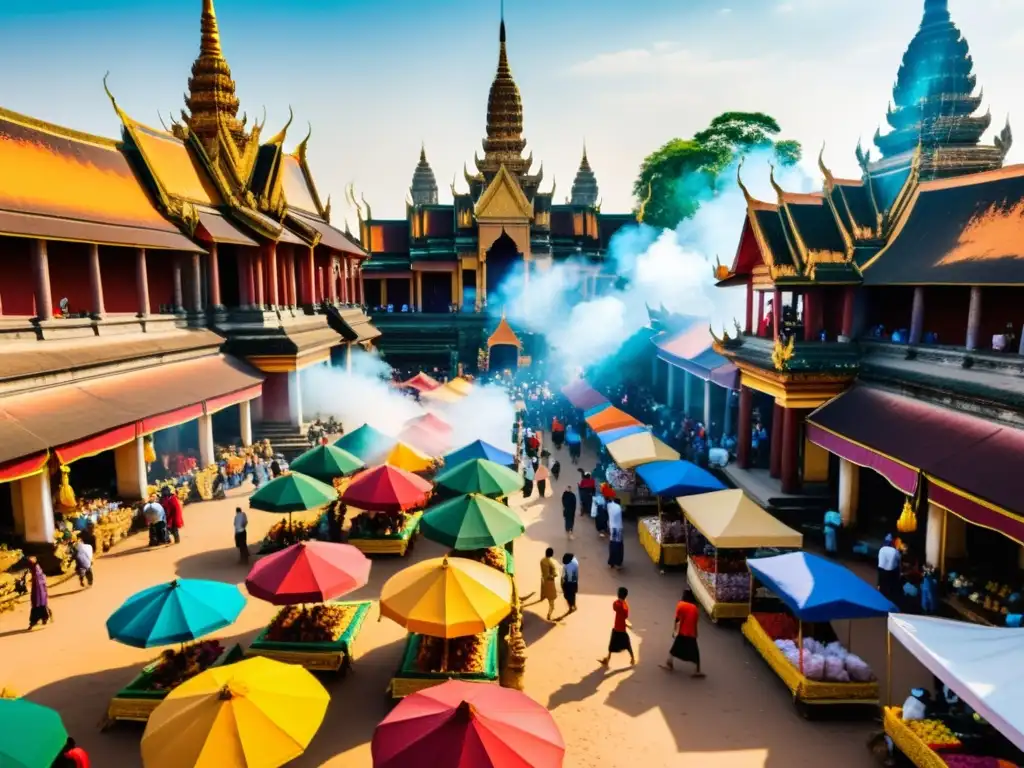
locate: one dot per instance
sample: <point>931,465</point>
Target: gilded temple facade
<point>448,258</point>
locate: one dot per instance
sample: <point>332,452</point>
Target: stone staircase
<point>285,438</point>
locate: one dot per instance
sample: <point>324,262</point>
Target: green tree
<point>679,175</point>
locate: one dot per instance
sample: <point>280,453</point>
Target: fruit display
<point>665,531</point>
<point>778,626</point>
<point>935,733</point>
<point>282,535</point>
<point>496,557</point>
<point>378,525</point>
<point>175,667</point>
<point>466,655</point>
<point>998,599</point>
<point>9,557</point>
<point>321,623</point>
<point>8,592</point>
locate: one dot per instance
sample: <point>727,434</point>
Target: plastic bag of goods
<point>858,670</point>
<point>814,666</point>
<point>813,646</point>
<point>836,649</point>
<point>786,646</point>
<point>835,670</point>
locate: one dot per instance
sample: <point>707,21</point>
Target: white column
<point>206,454</point>
<point>707,406</point>
<point>37,508</point>
<point>348,358</point>
<point>671,386</point>
<point>849,491</point>
<point>686,394</point>
<point>130,469</point>
<point>245,421</point>
<point>294,399</point>
<point>933,535</point>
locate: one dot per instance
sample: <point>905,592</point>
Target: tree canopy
<point>676,177</point>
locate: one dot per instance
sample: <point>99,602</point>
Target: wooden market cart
<point>320,657</point>
<point>408,679</point>
<point>396,544</point>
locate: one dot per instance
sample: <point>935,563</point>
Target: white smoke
<point>666,268</point>
<point>486,413</point>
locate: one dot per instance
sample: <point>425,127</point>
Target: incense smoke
<point>670,268</point>
<point>365,396</point>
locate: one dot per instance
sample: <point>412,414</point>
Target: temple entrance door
<point>501,260</point>
<point>503,357</point>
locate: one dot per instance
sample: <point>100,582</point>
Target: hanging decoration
<point>908,519</point>
<point>66,496</point>
<point>149,452</point>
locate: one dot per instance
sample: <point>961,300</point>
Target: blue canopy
<point>816,589</point>
<point>611,435</point>
<point>596,409</point>
<point>478,449</point>
<point>677,478</point>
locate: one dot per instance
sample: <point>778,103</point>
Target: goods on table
<point>831,663</point>
<point>322,623</point>
<point>620,479</point>
<point>665,531</point>
<point>778,626</point>
<point>723,577</point>
<point>9,557</point>
<point>282,534</point>
<point>993,600</point>
<point>466,655</point>
<point>373,525</point>
<point>175,667</point>
<point>973,761</point>
<point>496,557</point>
<point>935,733</point>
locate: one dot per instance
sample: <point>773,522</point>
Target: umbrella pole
<point>888,667</point>
<point>800,646</point>
<point>444,656</point>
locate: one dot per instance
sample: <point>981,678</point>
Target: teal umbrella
<point>326,462</point>
<point>31,735</point>
<point>480,476</point>
<point>292,492</point>
<point>471,522</point>
<point>176,612</point>
<point>366,443</point>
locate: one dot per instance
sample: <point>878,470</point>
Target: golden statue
<point>783,353</point>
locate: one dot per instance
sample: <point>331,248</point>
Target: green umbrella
<point>471,522</point>
<point>367,443</point>
<point>326,462</point>
<point>480,476</point>
<point>292,492</point>
<point>31,735</point>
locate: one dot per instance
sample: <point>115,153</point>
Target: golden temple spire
<point>211,101</point>
<point>210,43</point>
<point>504,143</point>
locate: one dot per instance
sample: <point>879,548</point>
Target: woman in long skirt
<point>528,475</point>
<point>601,519</point>
<point>616,548</point>
<point>40,595</point>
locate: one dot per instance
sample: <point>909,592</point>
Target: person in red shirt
<point>72,756</point>
<point>175,514</point>
<point>620,637</point>
<point>684,646</point>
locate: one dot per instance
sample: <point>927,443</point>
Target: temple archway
<point>502,257</point>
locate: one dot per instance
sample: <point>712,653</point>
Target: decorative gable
<point>504,199</point>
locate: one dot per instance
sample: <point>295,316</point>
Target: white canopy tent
<point>984,666</point>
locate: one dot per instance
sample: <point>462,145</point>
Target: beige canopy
<point>641,448</point>
<point>730,520</point>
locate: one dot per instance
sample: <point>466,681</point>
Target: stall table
<point>395,544</point>
<point>664,555</point>
<point>321,657</point>
<point>908,742</point>
<point>409,679</point>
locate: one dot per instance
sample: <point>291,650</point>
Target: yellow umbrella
<point>257,713</point>
<point>641,448</point>
<point>447,598</point>
<point>443,394</point>
<point>404,456</point>
<point>460,385</point>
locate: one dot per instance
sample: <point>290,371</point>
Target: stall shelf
<point>409,679</point>
<point>395,544</point>
<point>322,657</point>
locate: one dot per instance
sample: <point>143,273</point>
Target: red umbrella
<point>421,383</point>
<point>308,572</point>
<point>468,725</point>
<point>387,489</point>
<point>423,439</point>
<point>431,422</point>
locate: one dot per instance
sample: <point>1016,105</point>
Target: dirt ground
<point>740,716</point>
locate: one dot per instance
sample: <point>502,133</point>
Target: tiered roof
<point>584,186</point>
<point>424,185</point>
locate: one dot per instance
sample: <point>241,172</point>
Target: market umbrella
<point>387,489</point>
<point>31,735</point>
<point>254,713</point>
<point>471,522</point>
<point>611,435</point>
<point>431,422</point>
<point>611,418</point>
<point>443,394</point>
<point>641,448</point>
<point>480,476</point>
<point>404,456</point>
<point>597,409</point>
<point>421,382</point>
<point>424,440</point>
<point>582,395</point>
<point>447,598</point>
<point>478,449</point>
<point>176,612</point>
<point>326,462</point>
<point>366,443</point>
<point>308,572</point>
<point>292,492</point>
<point>468,724</point>
<point>460,385</point>
<point>677,478</point>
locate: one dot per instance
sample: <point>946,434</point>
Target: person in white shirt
<point>156,518</point>
<point>889,569</point>
<point>241,541</point>
<point>616,544</point>
<point>83,562</point>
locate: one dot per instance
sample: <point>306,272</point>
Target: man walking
<point>241,541</point>
<point>569,509</point>
<point>684,643</point>
<point>83,562</point>
<point>175,514</point>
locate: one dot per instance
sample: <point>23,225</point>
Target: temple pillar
<point>384,292</point>
<point>670,392</point>
<point>849,492</point>
<point>309,277</point>
<point>812,315</point>
<point>775,441</point>
<point>361,299</point>
<point>460,287</point>
<point>41,272</point>
<point>760,311</point>
<point>196,299</point>
<point>334,281</point>
<point>412,293</point>
<point>849,299</point>
<point>141,282</point>
<point>686,393</point>
<point>96,282</point>
<point>273,294</point>
<point>130,470</point>
<point>258,274</point>
<point>974,319</point>
<point>245,422</point>
<point>776,312</point>
<point>293,292</point>
<point>790,451</point>
<point>727,416</point>
<point>750,308</point>
<point>178,293</point>
<point>455,287</point>
<point>744,431</point>
<point>933,535</point>
<point>36,510</point>
<point>321,294</point>
<point>483,282</point>
<point>707,407</point>
<point>213,279</point>
<point>206,451</point>
<point>917,316</point>
<point>351,279</point>
<point>244,279</point>
<point>419,291</point>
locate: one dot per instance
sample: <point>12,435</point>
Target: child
<point>620,637</point>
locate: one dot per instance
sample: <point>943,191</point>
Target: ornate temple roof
<point>424,185</point>
<point>503,336</point>
<point>584,186</point>
<point>934,104</point>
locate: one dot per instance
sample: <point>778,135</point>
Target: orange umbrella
<point>611,418</point>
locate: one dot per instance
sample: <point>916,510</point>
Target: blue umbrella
<point>596,409</point>
<point>182,610</point>
<point>677,478</point>
<point>478,449</point>
<point>611,435</point>
<point>816,589</point>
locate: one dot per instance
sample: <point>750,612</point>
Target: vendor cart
<point>398,543</point>
<point>321,657</point>
<point>409,678</point>
<point>808,593</point>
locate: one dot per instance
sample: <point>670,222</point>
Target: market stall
<point>790,626</point>
<point>628,452</point>
<point>723,529</point>
<point>582,395</point>
<point>480,476</point>
<point>664,537</point>
<point>291,492</point>
<point>605,418</point>
<point>983,722</point>
<point>478,449</point>
<point>388,499</point>
<point>405,457</point>
<point>367,444</point>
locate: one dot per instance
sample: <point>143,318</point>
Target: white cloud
<point>725,11</point>
<point>785,8</point>
<point>661,59</point>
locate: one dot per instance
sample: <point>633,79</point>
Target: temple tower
<point>584,187</point>
<point>424,185</point>
<point>935,107</point>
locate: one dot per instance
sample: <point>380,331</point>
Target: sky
<point>375,78</point>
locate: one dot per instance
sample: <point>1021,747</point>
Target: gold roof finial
<point>209,45</point>
<point>300,151</point>
<point>211,99</point>
<point>279,137</point>
<point>739,181</point>
<point>829,179</point>
<point>113,101</point>
<point>775,185</point>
